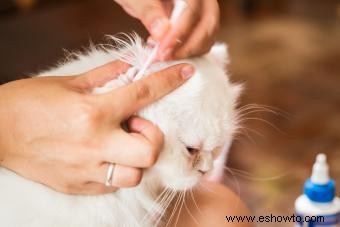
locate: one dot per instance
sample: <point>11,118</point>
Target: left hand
<point>193,34</point>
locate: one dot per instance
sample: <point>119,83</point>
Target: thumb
<point>151,13</point>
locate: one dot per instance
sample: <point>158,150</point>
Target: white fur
<point>201,113</point>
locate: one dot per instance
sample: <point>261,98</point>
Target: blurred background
<point>287,53</point>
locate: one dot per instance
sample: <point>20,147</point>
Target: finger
<point>125,176</point>
<point>168,7</point>
<point>151,13</point>
<point>150,131</point>
<point>86,188</point>
<point>94,188</point>
<point>99,76</point>
<point>130,149</point>
<point>203,36</point>
<point>122,177</point>
<point>199,43</point>
<point>179,33</point>
<point>136,95</point>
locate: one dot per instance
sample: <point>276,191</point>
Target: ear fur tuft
<point>219,54</point>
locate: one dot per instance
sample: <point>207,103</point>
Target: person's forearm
<point>3,122</point>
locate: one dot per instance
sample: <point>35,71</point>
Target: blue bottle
<point>318,206</point>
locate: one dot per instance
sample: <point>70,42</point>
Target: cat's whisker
<point>252,130</point>
<point>256,109</point>
<point>238,138</point>
<point>262,120</point>
<point>260,109</point>
<point>180,209</point>
<point>165,198</point>
<point>244,132</point>
<point>160,196</point>
<point>243,112</point>
<point>249,176</point>
<point>175,208</point>
<point>189,212</point>
<point>168,201</point>
<point>172,212</point>
<point>265,108</point>
<point>193,199</point>
<point>237,184</point>
<point>240,115</point>
<point>150,211</point>
<point>206,188</point>
<point>238,187</point>
<point>166,204</point>
<point>148,214</point>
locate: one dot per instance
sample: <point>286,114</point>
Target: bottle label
<point>332,220</point>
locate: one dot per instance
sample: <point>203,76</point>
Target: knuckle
<point>159,137</point>
<point>213,25</point>
<point>66,188</point>
<point>151,155</point>
<point>173,77</point>
<point>206,49</point>
<point>212,30</point>
<point>154,10</point>
<point>87,112</point>
<point>79,165</point>
<point>170,77</point>
<point>135,178</point>
<point>143,91</point>
<point>195,9</point>
<point>189,51</point>
<point>184,52</point>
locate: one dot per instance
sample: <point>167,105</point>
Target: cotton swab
<point>180,6</point>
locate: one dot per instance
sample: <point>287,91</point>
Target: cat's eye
<point>192,150</point>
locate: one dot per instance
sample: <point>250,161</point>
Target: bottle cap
<point>320,188</point>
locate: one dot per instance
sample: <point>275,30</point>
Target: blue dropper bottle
<point>318,206</point>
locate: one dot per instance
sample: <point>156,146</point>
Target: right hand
<point>54,131</point>
<point>194,33</point>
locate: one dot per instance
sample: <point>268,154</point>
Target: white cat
<point>200,114</point>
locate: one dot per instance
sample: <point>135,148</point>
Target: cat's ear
<point>219,54</point>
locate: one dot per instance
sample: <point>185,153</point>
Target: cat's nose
<point>205,164</point>
<point>203,171</point>
<point>204,168</point>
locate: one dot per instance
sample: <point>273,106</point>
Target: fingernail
<point>187,72</point>
<point>150,42</point>
<point>159,27</point>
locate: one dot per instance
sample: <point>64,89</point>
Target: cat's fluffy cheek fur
<point>175,169</point>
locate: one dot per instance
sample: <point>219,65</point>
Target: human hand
<point>193,34</point>
<point>54,131</point>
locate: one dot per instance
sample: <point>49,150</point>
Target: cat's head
<point>197,119</point>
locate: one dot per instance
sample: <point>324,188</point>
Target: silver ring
<point>109,174</point>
